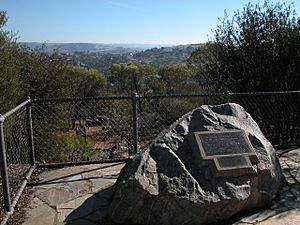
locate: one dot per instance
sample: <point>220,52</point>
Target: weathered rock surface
<point>165,185</point>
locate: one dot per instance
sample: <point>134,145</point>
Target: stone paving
<point>81,196</point>
<point>286,207</point>
<point>73,195</point>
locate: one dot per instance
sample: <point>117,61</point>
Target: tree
<point>176,78</point>
<point>127,77</point>
<point>10,83</point>
<point>47,75</point>
<point>257,50</point>
<point>43,74</point>
<point>85,82</point>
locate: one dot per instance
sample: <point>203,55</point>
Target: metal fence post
<point>4,170</point>
<point>30,133</point>
<point>227,97</point>
<point>135,122</point>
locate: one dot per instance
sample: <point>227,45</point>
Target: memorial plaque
<point>230,152</point>
<point>219,143</point>
<point>230,161</point>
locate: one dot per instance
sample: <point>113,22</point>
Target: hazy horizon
<point>104,43</point>
<point>168,22</point>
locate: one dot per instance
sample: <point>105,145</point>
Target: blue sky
<point>119,21</point>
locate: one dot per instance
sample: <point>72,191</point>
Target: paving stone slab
<point>290,164</point>
<point>83,198</point>
<point>78,222</point>
<point>56,196</point>
<point>80,188</point>
<point>73,203</point>
<point>289,197</point>
<point>259,216</point>
<point>86,206</point>
<point>242,223</point>
<point>105,170</point>
<point>76,177</point>
<point>40,213</point>
<point>291,217</point>
<point>63,214</point>
<point>70,197</point>
<point>92,207</point>
<point>101,183</point>
<point>60,174</point>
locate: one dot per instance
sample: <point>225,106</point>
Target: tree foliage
<point>85,82</point>
<point>38,74</point>
<point>49,75</point>
<point>126,77</point>
<point>10,83</point>
<point>176,78</point>
<point>256,50</point>
<point>42,74</point>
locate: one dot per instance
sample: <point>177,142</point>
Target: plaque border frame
<point>252,155</point>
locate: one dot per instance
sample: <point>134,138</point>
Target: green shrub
<point>72,147</point>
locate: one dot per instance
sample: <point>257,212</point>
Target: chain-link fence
<point>91,129</point>
<point>15,152</point>
<point>156,113</point>
<point>97,129</point>
<point>277,113</point>
<point>102,128</point>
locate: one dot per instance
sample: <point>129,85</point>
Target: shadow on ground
<point>94,210</point>
<point>81,196</point>
<point>285,207</point>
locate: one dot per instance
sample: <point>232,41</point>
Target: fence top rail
<point>176,95</point>
<point>270,93</point>
<point>12,111</point>
<point>183,95</point>
<point>70,99</point>
<point>217,94</point>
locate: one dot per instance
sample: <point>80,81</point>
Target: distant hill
<point>166,55</point>
<point>97,60</point>
<point>91,47</point>
<point>102,56</point>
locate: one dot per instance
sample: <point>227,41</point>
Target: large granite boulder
<point>165,185</point>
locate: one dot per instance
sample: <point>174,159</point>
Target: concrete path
<point>81,196</point>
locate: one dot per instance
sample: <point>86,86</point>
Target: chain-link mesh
<point>278,115</point>
<point>71,130</point>
<point>157,113</point>
<point>92,129</point>
<point>82,130</point>
<point>96,129</point>
<point>17,147</point>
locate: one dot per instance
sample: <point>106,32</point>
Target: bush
<point>72,147</point>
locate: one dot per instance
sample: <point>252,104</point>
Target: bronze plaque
<point>224,143</point>
<point>232,161</point>
<point>228,152</point>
